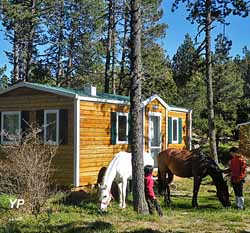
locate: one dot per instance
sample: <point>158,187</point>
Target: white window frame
<point>150,148</point>
<point>2,123</point>
<point>158,114</point>
<point>177,130</point>
<point>117,127</point>
<point>56,111</point>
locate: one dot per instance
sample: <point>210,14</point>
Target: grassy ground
<point>209,217</point>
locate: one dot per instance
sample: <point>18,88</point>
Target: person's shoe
<point>237,202</point>
<point>241,203</point>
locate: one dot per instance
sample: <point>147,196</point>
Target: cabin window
<point>10,125</point>
<point>122,127</point>
<point>51,127</point>
<point>175,129</point>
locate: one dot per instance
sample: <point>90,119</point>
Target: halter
<point>109,199</point>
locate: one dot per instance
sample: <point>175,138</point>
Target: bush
<point>5,201</point>
<point>26,169</point>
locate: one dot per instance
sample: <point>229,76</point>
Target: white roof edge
<point>101,100</point>
<point>30,85</point>
<point>179,109</point>
<point>169,108</point>
<point>241,124</point>
<point>153,97</point>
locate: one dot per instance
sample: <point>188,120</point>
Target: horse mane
<point>110,172</point>
<point>212,167</point>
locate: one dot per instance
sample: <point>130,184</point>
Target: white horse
<point>119,170</point>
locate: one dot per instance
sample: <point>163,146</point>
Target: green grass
<point>180,217</point>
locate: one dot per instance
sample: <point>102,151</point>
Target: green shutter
<point>25,117</point>
<point>180,130</point>
<point>40,118</point>
<point>170,133</point>
<point>63,126</point>
<point>40,123</point>
<point>113,128</point>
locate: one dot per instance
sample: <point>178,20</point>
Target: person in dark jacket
<point>238,172</point>
<point>149,191</point>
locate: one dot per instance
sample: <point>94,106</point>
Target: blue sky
<point>238,31</point>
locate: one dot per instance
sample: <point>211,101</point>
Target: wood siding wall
<point>96,150</point>
<point>155,106</point>
<point>26,99</point>
<point>182,115</point>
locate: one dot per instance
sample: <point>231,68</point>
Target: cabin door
<point>154,135</point>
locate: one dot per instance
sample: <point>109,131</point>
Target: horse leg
<point>162,182</point>
<point>124,191</point>
<point>197,182</point>
<point>120,194</point>
<point>167,195</point>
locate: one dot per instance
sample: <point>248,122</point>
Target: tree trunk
<point>30,37</point>
<point>70,59</point>
<point>59,69</point>
<point>108,47</point>
<point>15,55</point>
<point>113,45</point>
<point>136,114</point>
<point>124,44</point>
<point>59,59</point>
<point>210,104</point>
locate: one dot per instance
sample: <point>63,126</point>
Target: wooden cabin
<point>244,138</point>
<point>89,127</point>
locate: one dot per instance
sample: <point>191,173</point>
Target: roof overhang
<point>241,124</point>
<point>66,93</point>
<point>38,87</point>
<point>169,108</point>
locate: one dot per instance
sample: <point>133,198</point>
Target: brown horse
<point>195,164</point>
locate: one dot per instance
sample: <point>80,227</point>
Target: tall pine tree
<point>140,204</point>
<point>226,96</point>
<point>205,13</point>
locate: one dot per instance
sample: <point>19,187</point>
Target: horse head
<point>211,167</point>
<point>221,186</point>
<point>105,197</point>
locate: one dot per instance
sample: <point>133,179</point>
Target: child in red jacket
<point>149,191</point>
<point>238,173</point>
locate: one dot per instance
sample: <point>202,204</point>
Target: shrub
<point>5,201</point>
<point>26,169</point>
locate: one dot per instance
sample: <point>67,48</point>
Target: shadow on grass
<point>94,227</point>
<point>148,230</point>
<point>188,205</point>
<point>83,227</point>
<point>78,197</point>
